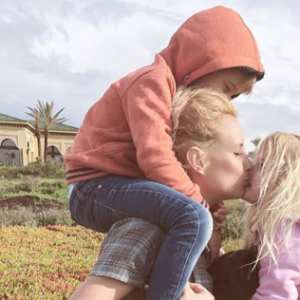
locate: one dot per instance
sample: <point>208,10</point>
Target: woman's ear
<point>197,159</point>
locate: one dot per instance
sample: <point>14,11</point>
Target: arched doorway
<point>54,154</point>
<point>9,153</point>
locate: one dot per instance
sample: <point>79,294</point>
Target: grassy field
<point>45,262</point>
<point>49,262</point>
<point>42,255</point>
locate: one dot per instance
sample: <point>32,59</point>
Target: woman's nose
<point>247,163</point>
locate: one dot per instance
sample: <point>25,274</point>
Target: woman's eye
<point>238,154</point>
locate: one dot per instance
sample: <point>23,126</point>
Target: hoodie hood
<point>209,41</point>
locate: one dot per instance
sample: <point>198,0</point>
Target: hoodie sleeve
<point>147,106</point>
<point>282,281</point>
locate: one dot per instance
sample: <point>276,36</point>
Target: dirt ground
<point>31,202</point>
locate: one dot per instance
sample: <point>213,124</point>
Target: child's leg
<point>99,203</point>
<point>200,274</point>
<point>99,287</point>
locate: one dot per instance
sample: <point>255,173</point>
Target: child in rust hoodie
<point>122,163</point>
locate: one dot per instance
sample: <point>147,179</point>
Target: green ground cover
<point>42,255</point>
<point>45,262</point>
<point>49,262</point>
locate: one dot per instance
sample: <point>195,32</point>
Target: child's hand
<point>214,245</point>
<point>194,291</point>
<point>219,212</point>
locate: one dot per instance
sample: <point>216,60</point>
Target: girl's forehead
<point>262,153</point>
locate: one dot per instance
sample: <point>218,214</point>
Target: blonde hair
<point>195,113</point>
<point>278,206</point>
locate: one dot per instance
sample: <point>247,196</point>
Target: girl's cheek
<point>256,183</point>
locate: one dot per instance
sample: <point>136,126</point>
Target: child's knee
<point>203,216</point>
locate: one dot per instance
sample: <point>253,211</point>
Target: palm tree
<point>48,120</point>
<point>8,155</point>
<point>255,142</point>
<point>35,114</point>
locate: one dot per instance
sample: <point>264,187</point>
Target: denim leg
<point>189,224</point>
<point>190,232</point>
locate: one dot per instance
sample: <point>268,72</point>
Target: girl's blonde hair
<point>195,115</point>
<point>278,206</point>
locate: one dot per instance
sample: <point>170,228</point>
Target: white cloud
<point>70,51</point>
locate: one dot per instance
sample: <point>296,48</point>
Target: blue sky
<point>70,51</point>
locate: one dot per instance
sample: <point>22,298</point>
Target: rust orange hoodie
<point>127,132</point>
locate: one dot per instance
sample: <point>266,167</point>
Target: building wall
<point>26,141</point>
<point>23,138</point>
<point>62,142</point>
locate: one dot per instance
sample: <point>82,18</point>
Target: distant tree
<point>35,114</point>
<point>44,119</point>
<point>49,120</point>
<point>255,142</point>
<point>8,155</point>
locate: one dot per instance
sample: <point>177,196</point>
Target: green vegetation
<point>29,185</point>
<point>49,262</point>
<point>22,216</point>
<point>234,222</point>
<point>35,169</point>
<point>43,256</point>
<point>44,119</point>
<point>45,263</point>
<point>35,195</point>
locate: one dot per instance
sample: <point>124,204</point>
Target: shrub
<point>58,184</point>
<point>15,187</point>
<point>52,170</point>
<point>34,186</point>
<point>52,188</point>
<point>49,169</point>
<point>24,187</point>
<point>48,190</point>
<point>234,227</point>
<point>23,216</point>
<point>54,217</point>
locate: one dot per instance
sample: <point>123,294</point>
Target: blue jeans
<point>99,203</point>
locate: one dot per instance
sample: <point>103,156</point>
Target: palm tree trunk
<point>45,145</point>
<point>38,137</point>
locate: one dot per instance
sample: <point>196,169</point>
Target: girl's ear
<point>197,159</point>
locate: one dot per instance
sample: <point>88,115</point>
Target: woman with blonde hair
<point>208,142</point>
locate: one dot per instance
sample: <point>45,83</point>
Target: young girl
<point>269,266</point>
<point>273,222</point>
<point>122,163</point>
